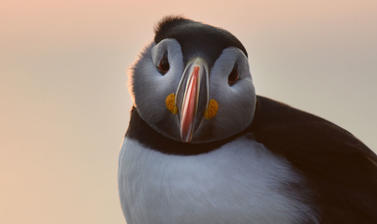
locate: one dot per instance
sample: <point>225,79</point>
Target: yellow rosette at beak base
<point>170,103</point>
<point>211,111</point>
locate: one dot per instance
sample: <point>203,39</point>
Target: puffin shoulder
<point>340,169</point>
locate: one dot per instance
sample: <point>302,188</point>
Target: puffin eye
<point>233,76</point>
<point>163,66</point>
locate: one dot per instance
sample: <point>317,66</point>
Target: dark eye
<point>233,76</point>
<point>163,66</point>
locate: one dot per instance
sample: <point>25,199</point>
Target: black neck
<point>139,130</point>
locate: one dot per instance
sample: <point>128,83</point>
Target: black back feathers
<point>340,170</point>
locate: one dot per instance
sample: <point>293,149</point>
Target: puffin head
<point>192,83</point>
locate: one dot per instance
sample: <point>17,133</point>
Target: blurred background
<point>65,105</point>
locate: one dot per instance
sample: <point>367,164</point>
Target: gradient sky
<point>65,106</point>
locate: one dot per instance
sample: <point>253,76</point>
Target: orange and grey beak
<point>192,97</point>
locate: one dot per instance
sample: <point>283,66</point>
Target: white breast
<point>240,183</point>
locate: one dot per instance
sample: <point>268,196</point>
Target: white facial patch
<point>237,101</point>
<point>149,87</point>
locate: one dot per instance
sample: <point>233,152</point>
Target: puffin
<point>202,147</point>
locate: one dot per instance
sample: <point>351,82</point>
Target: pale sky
<point>65,105</point>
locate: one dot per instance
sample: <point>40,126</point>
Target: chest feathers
<point>242,182</point>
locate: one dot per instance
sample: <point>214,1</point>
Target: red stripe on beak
<point>189,105</point>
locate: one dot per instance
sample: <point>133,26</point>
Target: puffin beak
<point>192,97</point>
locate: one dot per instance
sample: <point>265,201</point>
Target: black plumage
<point>194,37</point>
<point>340,171</point>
